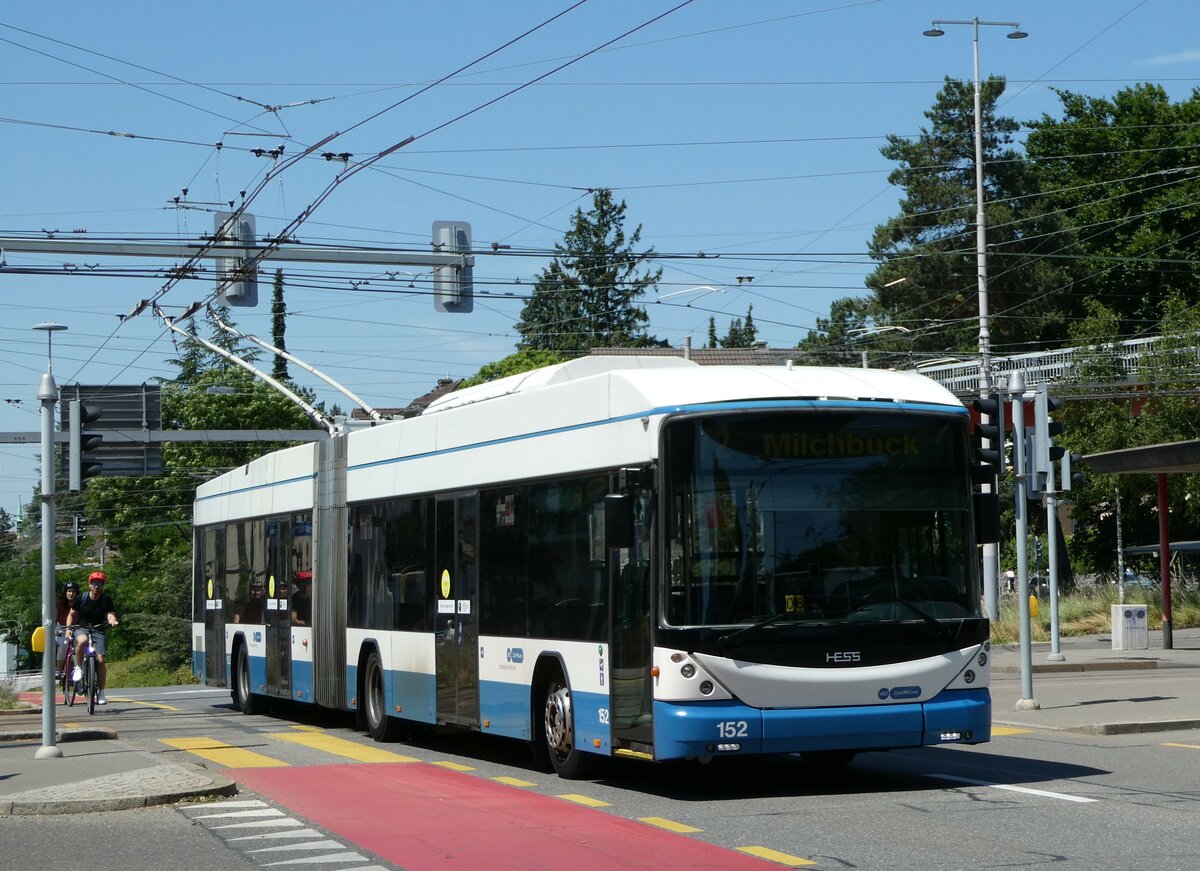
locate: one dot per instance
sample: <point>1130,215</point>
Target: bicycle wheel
<point>68,686</point>
<point>92,680</point>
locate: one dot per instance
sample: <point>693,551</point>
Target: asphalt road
<point>1030,797</point>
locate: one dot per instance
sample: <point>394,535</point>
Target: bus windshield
<point>826,516</point>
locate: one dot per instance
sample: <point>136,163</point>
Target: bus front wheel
<point>569,763</point>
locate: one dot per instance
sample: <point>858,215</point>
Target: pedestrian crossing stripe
<point>225,755</point>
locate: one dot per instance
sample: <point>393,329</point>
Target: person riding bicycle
<point>63,606</point>
<point>95,608</point>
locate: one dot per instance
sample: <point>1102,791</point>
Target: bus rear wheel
<point>569,763</point>
<point>243,696</point>
<point>380,726</point>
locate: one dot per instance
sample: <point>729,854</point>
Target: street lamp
<point>48,396</point>
<point>991,553</point>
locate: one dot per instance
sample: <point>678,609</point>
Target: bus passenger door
<point>276,614</point>
<point>456,627</point>
<point>211,579</point>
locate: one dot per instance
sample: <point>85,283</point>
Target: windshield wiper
<point>929,620</point>
<point>741,636</point>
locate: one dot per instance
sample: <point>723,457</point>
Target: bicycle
<point>89,683</point>
<point>64,677</point>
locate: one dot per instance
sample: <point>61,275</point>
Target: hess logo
<point>843,656</point>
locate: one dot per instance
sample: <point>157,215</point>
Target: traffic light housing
<point>991,432</point>
<point>1042,451</point>
<point>81,466</point>
<point>1070,474</point>
<point>453,286</point>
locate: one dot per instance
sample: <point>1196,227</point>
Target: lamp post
<point>48,396</point>
<point>991,553</point>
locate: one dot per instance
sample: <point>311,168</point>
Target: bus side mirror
<point>987,518</point>
<point>618,520</point>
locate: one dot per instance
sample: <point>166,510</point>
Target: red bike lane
<point>419,817</point>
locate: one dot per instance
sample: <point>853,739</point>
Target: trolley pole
<point>48,396</point>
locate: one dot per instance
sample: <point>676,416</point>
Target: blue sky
<point>749,130</point>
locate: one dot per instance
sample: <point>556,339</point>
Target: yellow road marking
<point>584,800</point>
<point>633,754</point>
<point>454,766</point>
<point>513,781</point>
<point>157,705</point>
<point>670,825</point>
<point>318,740</point>
<point>222,753</point>
<point>1188,746</point>
<point>1008,730</point>
<point>303,728</point>
<point>776,856</point>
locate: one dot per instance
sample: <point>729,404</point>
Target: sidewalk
<point>97,771</point>
<point>1152,690</point>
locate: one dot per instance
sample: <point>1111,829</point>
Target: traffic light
<point>82,467</point>
<point>453,286</point>
<point>1070,475</point>
<point>992,433</point>
<point>1043,452</point>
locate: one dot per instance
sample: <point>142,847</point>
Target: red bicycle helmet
<point>97,576</point>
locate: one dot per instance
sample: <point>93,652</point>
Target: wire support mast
<point>291,358</point>
<point>318,416</point>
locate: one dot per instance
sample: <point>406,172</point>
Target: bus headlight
<point>688,670</point>
<point>706,687</point>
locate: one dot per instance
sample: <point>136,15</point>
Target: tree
<point>1122,168</point>
<point>740,335</point>
<point>587,296</point>
<point>279,368</point>
<point>927,279</point>
<point>513,364</point>
<point>8,538</point>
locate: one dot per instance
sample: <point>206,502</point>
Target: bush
<point>147,670</point>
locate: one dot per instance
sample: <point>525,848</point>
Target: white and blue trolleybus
<point>635,556</point>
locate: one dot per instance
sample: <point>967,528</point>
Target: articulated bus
<point>635,556</point>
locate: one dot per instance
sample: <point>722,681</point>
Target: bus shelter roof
<point>1167,459</point>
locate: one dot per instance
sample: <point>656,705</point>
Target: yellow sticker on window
<point>271,587</point>
<point>210,588</point>
<point>445,583</point>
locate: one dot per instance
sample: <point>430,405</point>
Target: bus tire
<point>559,732</point>
<point>243,696</point>
<point>374,702</point>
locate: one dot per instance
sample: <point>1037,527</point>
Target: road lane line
<point>1004,731</point>
<point>1025,789</point>
<point>341,747</point>
<point>223,754</point>
<point>453,766</point>
<point>775,856</point>
<point>584,800</point>
<point>670,825</point>
<point>514,781</point>
<point>1188,746</point>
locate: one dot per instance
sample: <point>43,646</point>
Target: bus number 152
<point>733,729</point>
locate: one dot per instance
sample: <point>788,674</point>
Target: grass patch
<point>146,670</point>
<point>8,697</point>
<point>1090,613</point>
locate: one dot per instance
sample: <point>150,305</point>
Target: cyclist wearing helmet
<point>63,607</point>
<point>95,608</point>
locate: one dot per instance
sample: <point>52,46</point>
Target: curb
<point>217,785</point>
<point>1106,728</point>
<point>1120,665</point>
<point>62,736</point>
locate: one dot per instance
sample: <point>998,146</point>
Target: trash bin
<point>1130,627</point>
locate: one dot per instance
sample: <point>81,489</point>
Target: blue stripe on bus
<point>415,693</point>
<point>671,409</point>
<point>689,729</point>
<point>505,706</point>
<point>302,681</point>
<point>251,488</point>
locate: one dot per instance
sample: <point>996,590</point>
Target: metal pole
<point>1052,567</point>
<point>1120,553</point>
<point>48,396</point>
<point>1164,559</point>
<point>1017,384</point>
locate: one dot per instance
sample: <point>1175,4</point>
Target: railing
<point>962,377</point>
